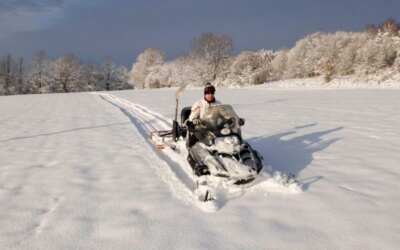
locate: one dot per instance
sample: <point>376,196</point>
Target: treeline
<point>373,52</point>
<point>64,74</point>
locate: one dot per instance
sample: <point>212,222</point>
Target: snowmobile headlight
<point>225,131</point>
<point>231,140</point>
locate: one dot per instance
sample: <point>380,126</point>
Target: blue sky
<point>121,29</point>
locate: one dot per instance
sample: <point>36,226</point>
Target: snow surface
<point>77,172</point>
<point>343,82</point>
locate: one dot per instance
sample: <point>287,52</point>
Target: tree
<point>108,71</point>
<point>182,71</point>
<point>159,77</point>
<point>122,79</point>
<point>6,75</point>
<point>296,64</point>
<point>376,54</point>
<point>39,74</point>
<point>279,64</point>
<point>20,76</point>
<point>66,73</point>
<point>348,60</point>
<point>113,77</point>
<point>11,75</point>
<point>213,50</point>
<point>252,67</point>
<point>89,77</point>
<point>372,29</point>
<point>147,60</point>
<point>390,26</point>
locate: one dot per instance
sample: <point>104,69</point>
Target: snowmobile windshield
<point>220,117</point>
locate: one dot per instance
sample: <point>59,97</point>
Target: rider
<point>198,110</point>
<point>200,107</point>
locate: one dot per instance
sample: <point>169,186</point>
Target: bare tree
<point>39,73</point>
<point>3,75</point>
<point>7,74</point>
<point>65,74</point>
<point>214,49</point>
<point>108,69</point>
<point>20,76</point>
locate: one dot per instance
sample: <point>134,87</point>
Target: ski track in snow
<point>146,122</point>
<point>177,173</point>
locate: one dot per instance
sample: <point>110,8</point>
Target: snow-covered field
<point>77,172</point>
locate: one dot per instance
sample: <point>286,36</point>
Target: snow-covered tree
<point>144,63</point>
<point>66,74</point>
<point>279,64</point>
<point>90,77</point>
<point>296,63</point>
<point>377,53</point>
<point>212,51</point>
<point>391,27</point>
<point>120,79</point>
<point>184,71</point>
<point>347,58</point>
<point>110,75</point>
<point>250,68</point>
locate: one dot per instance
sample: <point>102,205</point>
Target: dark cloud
<point>7,6</point>
<point>27,15</point>
<point>95,29</point>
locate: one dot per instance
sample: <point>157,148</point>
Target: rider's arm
<point>195,111</point>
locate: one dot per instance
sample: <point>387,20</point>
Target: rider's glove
<point>189,124</point>
<point>196,121</point>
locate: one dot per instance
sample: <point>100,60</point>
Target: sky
<point>121,29</point>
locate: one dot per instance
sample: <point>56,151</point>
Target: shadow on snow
<point>294,154</point>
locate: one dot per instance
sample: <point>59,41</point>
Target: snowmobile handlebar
<point>203,124</point>
<point>190,125</point>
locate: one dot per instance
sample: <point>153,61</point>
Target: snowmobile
<point>216,147</point>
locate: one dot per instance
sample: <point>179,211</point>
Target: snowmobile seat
<point>185,113</point>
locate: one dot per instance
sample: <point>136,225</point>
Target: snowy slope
<point>76,172</point>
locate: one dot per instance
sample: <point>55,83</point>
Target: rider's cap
<point>209,89</point>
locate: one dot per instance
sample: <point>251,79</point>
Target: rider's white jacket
<point>200,108</point>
